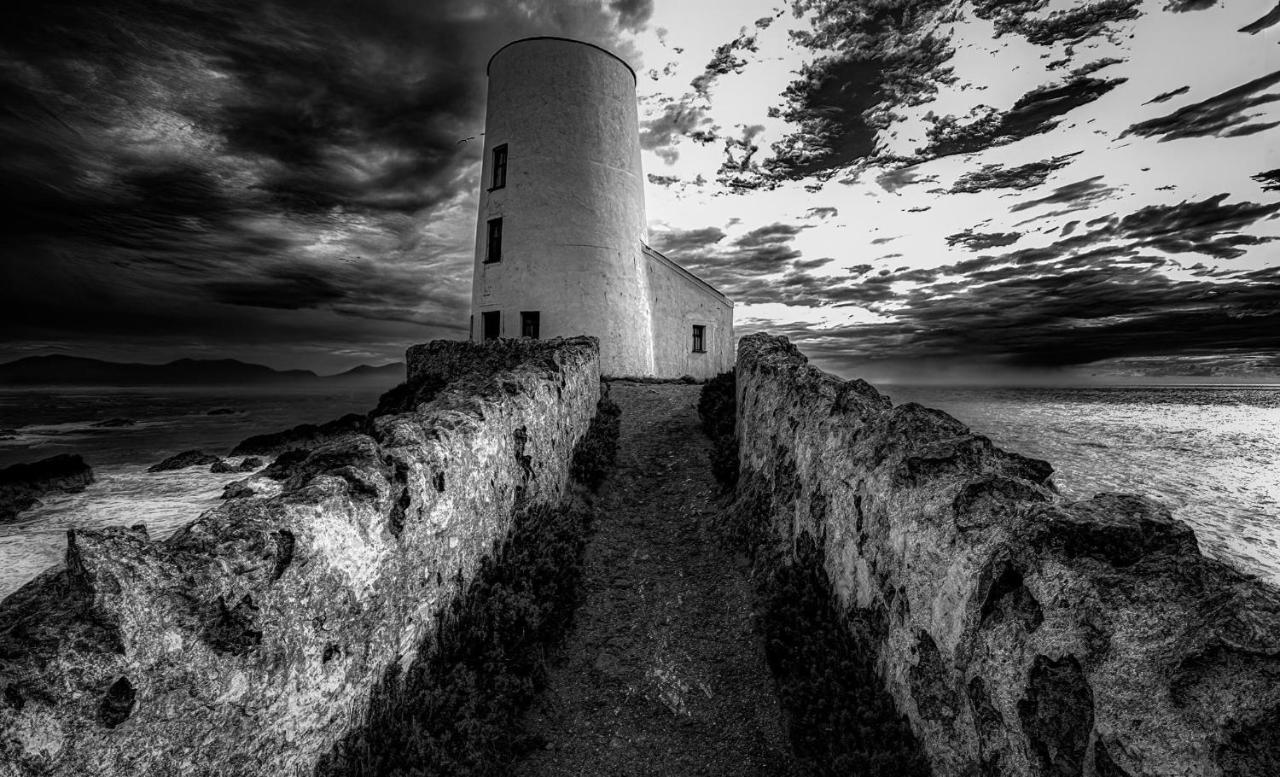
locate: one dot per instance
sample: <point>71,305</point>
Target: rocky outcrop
<point>1021,634</point>
<point>300,436</point>
<point>22,485</point>
<point>250,642</point>
<point>192,458</point>
<point>222,466</point>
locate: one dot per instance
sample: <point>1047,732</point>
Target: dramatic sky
<point>937,189</point>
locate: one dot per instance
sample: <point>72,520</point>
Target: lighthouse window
<point>492,323</point>
<point>494,252</point>
<point>699,338</point>
<point>529,323</point>
<point>499,167</point>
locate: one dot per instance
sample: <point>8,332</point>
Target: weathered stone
<point>192,458</point>
<point>300,436</point>
<point>237,490</point>
<point>1021,634</point>
<point>249,642</point>
<point>22,485</point>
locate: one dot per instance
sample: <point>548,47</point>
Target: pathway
<point>662,672</point>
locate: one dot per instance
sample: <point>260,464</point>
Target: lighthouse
<point>561,237</point>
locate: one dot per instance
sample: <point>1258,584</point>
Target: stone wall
<point>249,643</point>
<point>1020,633</point>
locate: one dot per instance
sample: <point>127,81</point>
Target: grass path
<point>663,672</point>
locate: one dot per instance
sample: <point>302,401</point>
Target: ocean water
<point>36,424</point>
<point>1209,453</point>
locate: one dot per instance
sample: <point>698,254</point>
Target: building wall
<point>573,205</point>
<point>679,301</point>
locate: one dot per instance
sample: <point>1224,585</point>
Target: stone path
<point>663,673</point>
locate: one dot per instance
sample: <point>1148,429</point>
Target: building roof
<point>566,40</point>
<point>675,266</point>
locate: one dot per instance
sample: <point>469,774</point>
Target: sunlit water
<point>1208,453</point>
<point>38,424</point>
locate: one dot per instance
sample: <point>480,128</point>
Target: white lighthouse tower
<point>561,238</point>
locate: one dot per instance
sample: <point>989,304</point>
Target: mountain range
<point>60,370</point>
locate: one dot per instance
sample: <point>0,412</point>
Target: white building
<point>561,240</point>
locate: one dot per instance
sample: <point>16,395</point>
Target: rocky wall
<point>1022,634</point>
<point>249,642</point>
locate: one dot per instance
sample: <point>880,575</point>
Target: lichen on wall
<point>1020,633</point>
<point>250,642</point>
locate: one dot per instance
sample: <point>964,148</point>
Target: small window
<point>494,251</point>
<point>529,323</point>
<point>499,167</point>
<point>492,323</point>
<point>699,338</point>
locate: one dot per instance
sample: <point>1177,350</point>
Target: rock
<point>21,485</point>
<point>301,436</point>
<point>237,490</point>
<point>1020,634</point>
<point>286,464</point>
<point>114,423</point>
<point>251,641</point>
<point>192,458</point>
<point>250,464</point>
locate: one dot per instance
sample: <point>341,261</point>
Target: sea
<point>1209,453</point>
<point>158,422</point>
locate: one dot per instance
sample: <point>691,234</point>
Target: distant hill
<point>393,372</point>
<point>79,371</point>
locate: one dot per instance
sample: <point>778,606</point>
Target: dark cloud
<point>740,170</point>
<point>770,234</point>
<point>890,54</point>
<point>1270,180</point>
<point>1269,19</point>
<point>1182,6</point>
<point>200,172</point>
<point>978,241</point>
<point>870,61</point>
<point>1070,26</point>
<point>1206,227</point>
<point>1224,115</point>
<point>1034,113</point>
<point>758,266</point>
<point>1077,24</point>
<point>686,116</point>
<point>1091,295</point>
<point>1019,177</point>
<point>632,14</point>
<point>895,179</point>
<point>725,60</point>
<point>1075,196</point>
<point>1166,96</point>
<point>679,118</point>
<point>1061,316</point>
